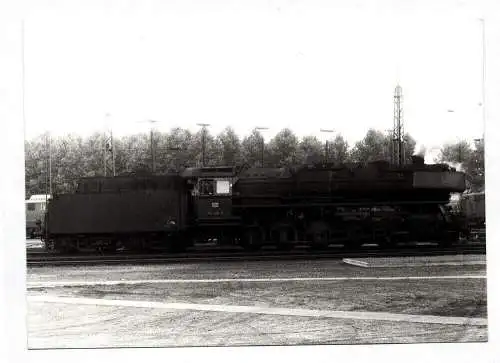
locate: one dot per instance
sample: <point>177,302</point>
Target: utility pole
<point>109,149</point>
<point>175,162</point>
<point>48,175</point>
<point>326,143</point>
<point>153,154</point>
<point>262,144</point>
<point>398,156</point>
<point>49,163</point>
<point>460,146</point>
<point>153,151</point>
<point>203,141</point>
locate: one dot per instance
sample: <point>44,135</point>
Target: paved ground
<point>418,261</point>
<point>254,303</point>
<point>140,327</point>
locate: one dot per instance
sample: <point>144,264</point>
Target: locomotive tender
<point>317,204</point>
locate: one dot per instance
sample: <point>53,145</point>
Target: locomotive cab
<point>213,198</point>
<point>211,205</point>
<point>212,194</point>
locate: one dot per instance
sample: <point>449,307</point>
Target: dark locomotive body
<point>318,205</point>
<point>347,204</point>
<point>137,213</point>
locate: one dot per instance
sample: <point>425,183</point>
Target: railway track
<point>46,259</point>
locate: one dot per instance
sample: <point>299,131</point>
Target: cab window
<point>30,206</point>
<point>223,187</point>
<point>207,187</point>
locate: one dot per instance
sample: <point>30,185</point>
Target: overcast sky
<point>300,64</point>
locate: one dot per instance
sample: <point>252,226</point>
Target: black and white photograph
<point>235,174</point>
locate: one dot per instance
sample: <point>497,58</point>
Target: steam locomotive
<point>315,204</point>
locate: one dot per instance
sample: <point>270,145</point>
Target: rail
<point>41,259</point>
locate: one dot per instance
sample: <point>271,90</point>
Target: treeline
<point>73,156</point>
<point>467,158</point>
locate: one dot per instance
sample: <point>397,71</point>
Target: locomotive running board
<point>337,204</point>
<point>218,222</point>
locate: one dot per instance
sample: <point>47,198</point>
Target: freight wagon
<point>35,210</point>
<point>473,208</point>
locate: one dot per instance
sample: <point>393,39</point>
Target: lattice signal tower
<point>398,154</point>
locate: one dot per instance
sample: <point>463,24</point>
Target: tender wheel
<point>388,241</point>
<point>50,245</point>
<point>285,247</point>
<point>104,246</point>
<point>177,248</point>
<point>65,245</point>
